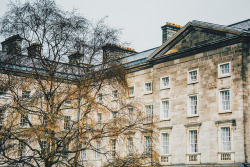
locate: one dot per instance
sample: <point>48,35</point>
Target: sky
<point>141,20</point>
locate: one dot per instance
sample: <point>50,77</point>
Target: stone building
<point>194,90</point>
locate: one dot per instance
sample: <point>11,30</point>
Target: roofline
<point>230,25</point>
<point>196,23</point>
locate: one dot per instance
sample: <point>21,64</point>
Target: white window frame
<point>115,93</point>
<point>162,83</point>
<point>24,122</point>
<point>66,122</point>
<point>164,144</point>
<point>226,153</point>
<point>2,116</point>
<point>98,150</point>
<point>100,97</point>
<point>113,147</point>
<point>223,142</point>
<point>131,94</point>
<point>130,114</point>
<point>162,110</point>
<point>149,117</point>
<point>84,152</point>
<point>130,146</point>
<point>26,96</point>
<point>220,101</point>
<point>147,145</point>
<point>220,75</point>
<point>191,143</point>
<point>190,81</point>
<point>24,150</point>
<point>190,105</point>
<point>145,88</point>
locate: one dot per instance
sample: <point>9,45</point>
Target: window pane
<point>130,146</point>
<point>149,112</point>
<point>131,90</point>
<point>148,87</point>
<point>225,100</point>
<point>224,69</point>
<point>147,145</point>
<point>225,138</point>
<point>165,143</point>
<point>113,147</point>
<point>193,76</point>
<point>98,149</point>
<point>67,122</point>
<point>165,108</point>
<point>130,114</point>
<point>165,82</point>
<point>193,141</point>
<point>193,105</point>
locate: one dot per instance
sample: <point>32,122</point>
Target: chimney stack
<point>12,45</point>
<point>34,50</point>
<point>169,30</point>
<point>112,52</point>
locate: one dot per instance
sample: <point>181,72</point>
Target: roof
<point>244,25</point>
<point>232,30</point>
<point>138,57</point>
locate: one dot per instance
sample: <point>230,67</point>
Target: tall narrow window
<point>24,119</point>
<point>84,151</point>
<point>192,105</point>
<point>21,149</point>
<point>1,117</point>
<point>165,143</point>
<point>130,114</point>
<point>44,145</point>
<point>67,122</point>
<point>65,149</point>
<point>113,147</point>
<point>148,87</point>
<point>98,150</point>
<point>225,100</point>
<point>99,120</point>
<point>149,113</point>
<point>130,146</point>
<point>147,145</point>
<point>165,109</point>
<point>193,141</point>
<point>225,139</point>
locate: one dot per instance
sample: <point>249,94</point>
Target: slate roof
<point>138,57</point>
<point>244,25</point>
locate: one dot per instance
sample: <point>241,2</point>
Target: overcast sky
<point>141,20</point>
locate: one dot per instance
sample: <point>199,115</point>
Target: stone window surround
<point>219,70</point>
<point>189,127</point>
<point>189,79</point>
<point>161,110</point>
<point>232,125</point>
<point>161,83</point>
<point>131,95</point>
<point>219,101</point>
<point>197,107</point>
<point>145,90</point>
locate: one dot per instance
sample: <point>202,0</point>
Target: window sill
<point>224,76</point>
<point>192,116</point>
<point>225,112</point>
<point>165,88</point>
<point>167,119</point>
<point>146,93</point>
<point>192,83</point>
<point>131,96</point>
<point>148,123</point>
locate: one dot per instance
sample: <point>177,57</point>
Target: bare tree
<point>52,111</point>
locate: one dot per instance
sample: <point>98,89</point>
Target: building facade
<point>193,91</point>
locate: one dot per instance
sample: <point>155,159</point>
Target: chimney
<point>12,45</point>
<point>75,58</point>
<point>34,50</point>
<point>113,52</point>
<point>169,30</point>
